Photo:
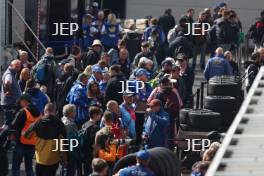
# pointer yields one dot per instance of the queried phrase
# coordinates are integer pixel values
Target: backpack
(43, 71)
(85, 139)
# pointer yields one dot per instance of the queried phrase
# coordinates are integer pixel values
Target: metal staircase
(241, 153)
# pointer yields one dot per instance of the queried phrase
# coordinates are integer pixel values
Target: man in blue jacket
(78, 97)
(155, 131)
(217, 65)
(141, 168)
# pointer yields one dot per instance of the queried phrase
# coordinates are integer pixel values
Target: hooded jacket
(47, 130)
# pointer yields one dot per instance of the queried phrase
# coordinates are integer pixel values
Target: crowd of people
(114, 104)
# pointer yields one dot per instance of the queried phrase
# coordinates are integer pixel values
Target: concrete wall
(247, 10)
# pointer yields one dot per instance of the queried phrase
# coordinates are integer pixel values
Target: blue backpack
(43, 71)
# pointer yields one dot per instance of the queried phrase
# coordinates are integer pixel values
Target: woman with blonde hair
(110, 32)
(23, 77)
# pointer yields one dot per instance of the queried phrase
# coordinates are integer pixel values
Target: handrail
(22, 19)
(21, 39)
(231, 131)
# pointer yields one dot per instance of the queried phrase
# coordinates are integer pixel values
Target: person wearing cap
(78, 96)
(144, 63)
(166, 66)
(188, 76)
(155, 132)
(93, 55)
(172, 103)
(97, 75)
(141, 168)
(147, 53)
(88, 30)
(25, 148)
(124, 62)
(142, 92)
(128, 113)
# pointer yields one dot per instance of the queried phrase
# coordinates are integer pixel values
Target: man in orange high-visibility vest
(25, 147)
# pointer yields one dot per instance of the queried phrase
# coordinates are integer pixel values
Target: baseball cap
(128, 94)
(97, 69)
(222, 4)
(141, 72)
(143, 155)
(155, 102)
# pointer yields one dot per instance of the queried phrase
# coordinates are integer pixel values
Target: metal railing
(241, 152)
(10, 4)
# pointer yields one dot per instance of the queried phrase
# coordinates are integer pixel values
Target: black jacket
(50, 127)
(90, 58)
(180, 45)
(188, 78)
(166, 22)
(226, 32)
(62, 88)
(20, 120)
(114, 86)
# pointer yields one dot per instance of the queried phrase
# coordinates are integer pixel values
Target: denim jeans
(202, 50)
(21, 151)
(71, 168)
(9, 113)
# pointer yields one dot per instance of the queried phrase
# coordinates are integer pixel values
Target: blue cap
(142, 71)
(143, 155)
(97, 69)
(222, 4)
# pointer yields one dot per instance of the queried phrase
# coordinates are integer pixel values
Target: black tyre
(228, 118)
(185, 127)
(184, 117)
(205, 119)
(220, 103)
(169, 161)
(128, 160)
(224, 89)
(162, 162)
